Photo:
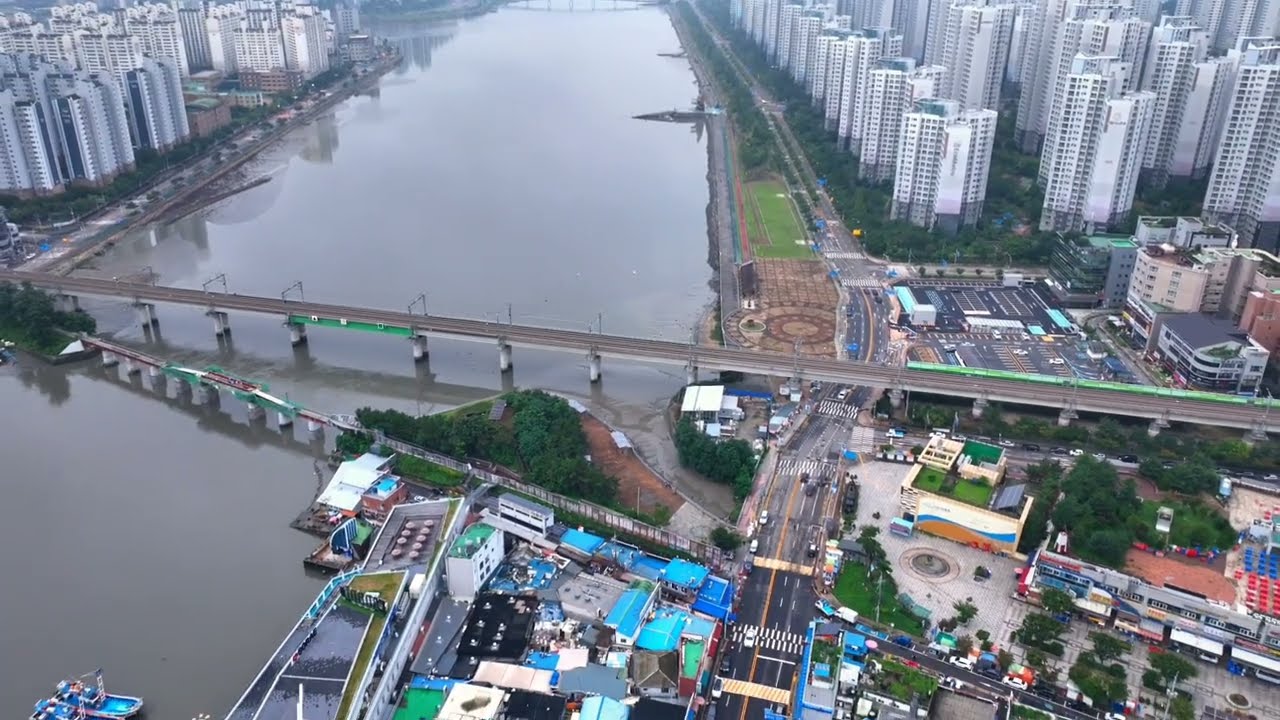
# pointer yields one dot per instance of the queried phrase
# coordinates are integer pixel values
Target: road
(1207, 410)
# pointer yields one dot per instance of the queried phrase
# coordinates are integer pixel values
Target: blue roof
(384, 487)
(625, 617)
(583, 542)
(542, 661)
(906, 298)
(699, 627)
(662, 634)
(624, 555)
(1059, 319)
(855, 644)
(596, 707)
(685, 574)
(648, 567)
(715, 598)
(424, 683)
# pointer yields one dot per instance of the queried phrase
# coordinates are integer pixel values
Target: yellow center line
(768, 597)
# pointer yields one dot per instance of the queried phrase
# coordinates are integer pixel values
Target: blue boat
(78, 700)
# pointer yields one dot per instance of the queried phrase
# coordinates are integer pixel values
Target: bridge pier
(690, 374)
(895, 398)
(297, 334)
(504, 356)
(147, 314)
(1066, 416)
(979, 406)
(419, 345)
(1258, 434)
(315, 426)
(284, 421)
(66, 303)
(221, 323)
(593, 366)
(131, 367)
(203, 395)
(110, 359)
(255, 412)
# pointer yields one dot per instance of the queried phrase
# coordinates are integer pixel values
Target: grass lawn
(385, 584)
(773, 223)
(20, 338)
(935, 481)
(975, 493)
(427, 472)
(855, 591)
(1194, 524)
(930, 480)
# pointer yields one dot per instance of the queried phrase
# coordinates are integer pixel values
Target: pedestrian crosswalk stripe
(838, 409)
(767, 693)
(860, 282)
(776, 564)
(795, 467)
(781, 641)
(845, 255)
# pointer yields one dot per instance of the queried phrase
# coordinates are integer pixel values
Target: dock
(679, 116)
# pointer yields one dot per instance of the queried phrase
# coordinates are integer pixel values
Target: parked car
(1131, 459)
(1031, 447)
(1058, 451)
(726, 666)
(961, 661)
(717, 689)
(1100, 457)
(1006, 443)
(1015, 682)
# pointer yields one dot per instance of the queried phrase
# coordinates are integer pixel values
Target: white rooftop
(472, 702)
(702, 399)
(352, 480)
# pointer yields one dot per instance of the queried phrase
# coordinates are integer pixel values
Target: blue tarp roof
(662, 634)
(648, 567)
(542, 661)
(581, 541)
(603, 708)
(1059, 319)
(855, 644)
(424, 683)
(685, 574)
(715, 598)
(625, 617)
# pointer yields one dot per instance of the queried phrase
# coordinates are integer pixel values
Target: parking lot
(1048, 355)
(963, 308)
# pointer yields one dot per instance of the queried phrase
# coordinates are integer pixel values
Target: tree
(939, 272)
(725, 539)
(964, 644)
(965, 611)
(1038, 630)
(1102, 685)
(1108, 647)
(1056, 602)
(978, 271)
(1181, 708)
(1172, 667)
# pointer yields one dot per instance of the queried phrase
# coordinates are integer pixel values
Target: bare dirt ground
(632, 474)
(797, 304)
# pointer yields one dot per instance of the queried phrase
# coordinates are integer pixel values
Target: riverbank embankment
(73, 259)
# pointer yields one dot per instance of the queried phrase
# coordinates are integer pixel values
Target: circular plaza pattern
(929, 564)
(780, 328)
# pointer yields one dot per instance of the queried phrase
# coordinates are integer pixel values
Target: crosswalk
(767, 693)
(860, 282)
(773, 639)
(834, 408)
(844, 255)
(769, 563)
(815, 468)
(862, 439)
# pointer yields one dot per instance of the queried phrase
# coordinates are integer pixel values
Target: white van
(755, 545)
(764, 518)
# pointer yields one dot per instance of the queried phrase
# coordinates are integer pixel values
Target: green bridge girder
(345, 324)
(244, 390)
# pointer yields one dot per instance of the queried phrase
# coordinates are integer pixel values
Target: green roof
(204, 103)
(363, 531)
(420, 704)
(982, 452)
(691, 658)
(471, 540)
(1111, 240)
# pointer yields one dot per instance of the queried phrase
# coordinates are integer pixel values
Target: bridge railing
(609, 518)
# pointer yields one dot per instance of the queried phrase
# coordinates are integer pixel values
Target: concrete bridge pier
(203, 395)
(157, 378)
(419, 345)
(504, 355)
(593, 366)
(110, 359)
(315, 426)
(297, 334)
(255, 412)
(1257, 435)
(690, 374)
(284, 421)
(131, 367)
(895, 398)
(146, 314)
(1066, 416)
(66, 303)
(979, 406)
(221, 323)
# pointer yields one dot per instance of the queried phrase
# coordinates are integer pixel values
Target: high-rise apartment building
(1227, 21)
(346, 19)
(161, 33)
(943, 163)
(1191, 93)
(975, 40)
(221, 24)
(863, 50)
(804, 45)
(195, 37)
(156, 110)
(306, 46)
(1093, 151)
(1062, 29)
(825, 62)
(896, 84)
(788, 17)
(1245, 184)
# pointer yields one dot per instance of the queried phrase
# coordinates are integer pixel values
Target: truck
(416, 585)
(847, 615)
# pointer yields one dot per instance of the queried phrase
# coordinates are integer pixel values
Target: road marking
(755, 690)
(777, 660)
(784, 565)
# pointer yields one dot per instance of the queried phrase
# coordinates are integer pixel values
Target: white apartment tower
(1062, 29)
(818, 78)
(1190, 101)
(306, 47)
(943, 163)
(788, 17)
(26, 155)
(862, 51)
(804, 44)
(769, 28)
(837, 54)
(1094, 148)
(911, 19)
(975, 49)
(1227, 21)
(160, 31)
(107, 51)
(156, 110)
(195, 37)
(896, 84)
(1244, 188)
(221, 24)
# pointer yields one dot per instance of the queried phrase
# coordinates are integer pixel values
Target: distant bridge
(579, 6)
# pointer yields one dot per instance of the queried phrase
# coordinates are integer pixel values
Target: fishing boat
(85, 700)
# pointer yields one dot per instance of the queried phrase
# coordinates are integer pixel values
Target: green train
(1197, 395)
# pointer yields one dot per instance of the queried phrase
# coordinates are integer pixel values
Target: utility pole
(509, 315)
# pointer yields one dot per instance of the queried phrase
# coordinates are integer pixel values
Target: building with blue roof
(662, 633)
(603, 708)
(583, 542)
(684, 577)
(631, 610)
(715, 599)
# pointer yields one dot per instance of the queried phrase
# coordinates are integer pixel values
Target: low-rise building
(378, 501)
(1210, 353)
(473, 559)
(1187, 232)
(1089, 271)
(954, 491)
(207, 115)
(1261, 319)
(273, 81)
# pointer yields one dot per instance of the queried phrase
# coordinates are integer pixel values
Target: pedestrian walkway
(838, 409)
(767, 693)
(862, 439)
(812, 467)
(770, 639)
(776, 564)
(846, 256)
(860, 282)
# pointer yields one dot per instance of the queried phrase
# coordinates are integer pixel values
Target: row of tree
(31, 313)
(728, 462)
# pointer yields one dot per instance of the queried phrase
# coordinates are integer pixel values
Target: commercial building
(1261, 319)
(943, 163)
(1245, 181)
(473, 559)
(1060, 30)
(896, 84)
(975, 40)
(1189, 233)
(206, 116)
(1093, 150)
(1210, 353)
(1088, 271)
(863, 49)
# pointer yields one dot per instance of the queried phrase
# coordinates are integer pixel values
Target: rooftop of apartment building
(471, 540)
(1173, 255)
(1268, 264)
(1199, 330)
(1108, 240)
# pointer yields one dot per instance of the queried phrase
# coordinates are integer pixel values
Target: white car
(842, 395)
(1076, 452)
(749, 637)
(1100, 457)
(717, 689)
(961, 661)
(764, 518)
(1057, 361)
(1007, 443)
(1014, 682)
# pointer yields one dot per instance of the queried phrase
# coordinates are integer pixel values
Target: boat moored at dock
(73, 699)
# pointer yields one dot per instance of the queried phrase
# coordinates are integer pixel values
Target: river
(497, 171)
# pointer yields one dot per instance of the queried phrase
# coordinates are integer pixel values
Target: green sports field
(773, 222)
